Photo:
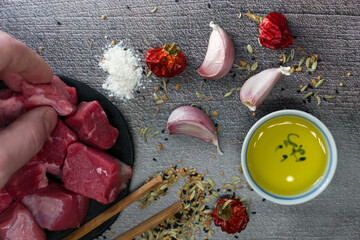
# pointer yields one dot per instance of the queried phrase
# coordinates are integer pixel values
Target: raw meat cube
(73, 94)
(11, 106)
(53, 153)
(92, 125)
(27, 180)
(94, 174)
(5, 200)
(53, 94)
(56, 208)
(17, 223)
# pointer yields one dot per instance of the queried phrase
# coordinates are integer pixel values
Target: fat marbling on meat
(92, 125)
(52, 94)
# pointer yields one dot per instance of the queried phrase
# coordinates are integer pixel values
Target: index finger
(16, 57)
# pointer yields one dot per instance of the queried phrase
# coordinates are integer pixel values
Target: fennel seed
(154, 134)
(228, 94)
(164, 84)
(156, 112)
(212, 183)
(159, 101)
(250, 49)
(292, 53)
(307, 63)
(243, 199)
(314, 65)
(318, 100)
(319, 83)
(254, 66)
(144, 138)
(199, 95)
(239, 67)
(307, 95)
(236, 177)
(301, 61)
(304, 88)
(330, 96)
(156, 96)
(248, 68)
(154, 9)
(283, 58)
(287, 59)
(146, 130)
(148, 74)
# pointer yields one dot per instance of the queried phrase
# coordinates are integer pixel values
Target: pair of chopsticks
(121, 205)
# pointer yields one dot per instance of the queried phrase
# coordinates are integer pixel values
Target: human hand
(21, 140)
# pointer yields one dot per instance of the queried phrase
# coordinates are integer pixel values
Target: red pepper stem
(254, 17)
(173, 46)
(172, 49)
(225, 213)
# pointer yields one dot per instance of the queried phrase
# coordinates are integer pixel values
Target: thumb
(21, 140)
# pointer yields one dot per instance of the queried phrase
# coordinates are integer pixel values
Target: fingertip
(16, 57)
(13, 80)
(50, 119)
(22, 139)
(42, 74)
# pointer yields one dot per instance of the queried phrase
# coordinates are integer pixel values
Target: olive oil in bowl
(287, 156)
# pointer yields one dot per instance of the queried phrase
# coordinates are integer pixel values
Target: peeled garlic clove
(220, 54)
(191, 121)
(258, 87)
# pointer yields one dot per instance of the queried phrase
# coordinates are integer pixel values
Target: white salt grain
(124, 74)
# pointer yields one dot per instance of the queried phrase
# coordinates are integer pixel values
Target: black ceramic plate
(122, 149)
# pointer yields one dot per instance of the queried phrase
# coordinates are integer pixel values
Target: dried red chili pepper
(232, 218)
(274, 31)
(166, 61)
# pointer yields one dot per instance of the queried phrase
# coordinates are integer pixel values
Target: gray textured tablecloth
(330, 28)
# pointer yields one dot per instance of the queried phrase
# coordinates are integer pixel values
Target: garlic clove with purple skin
(191, 121)
(220, 54)
(258, 87)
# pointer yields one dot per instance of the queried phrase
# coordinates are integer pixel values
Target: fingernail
(50, 119)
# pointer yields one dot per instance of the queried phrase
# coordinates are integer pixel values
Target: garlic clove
(258, 87)
(220, 54)
(191, 121)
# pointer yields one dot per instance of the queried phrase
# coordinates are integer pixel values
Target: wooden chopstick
(151, 222)
(118, 207)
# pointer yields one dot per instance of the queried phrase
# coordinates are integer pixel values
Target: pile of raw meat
(30, 201)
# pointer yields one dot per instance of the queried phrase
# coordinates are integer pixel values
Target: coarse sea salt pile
(124, 71)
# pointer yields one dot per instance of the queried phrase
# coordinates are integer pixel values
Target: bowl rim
(330, 169)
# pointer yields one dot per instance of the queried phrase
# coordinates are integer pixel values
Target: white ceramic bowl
(316, 190)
